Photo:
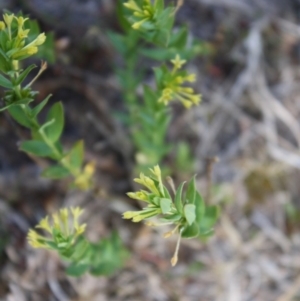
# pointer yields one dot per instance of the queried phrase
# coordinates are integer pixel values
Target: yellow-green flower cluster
(156, 189)
(84, 180)
(62, 229)
(17, 46)
(142, 13)
(172, 86)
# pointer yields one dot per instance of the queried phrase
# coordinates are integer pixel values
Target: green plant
(64, 234)
(186, 211)
(19, 40)
(148, 33)
(145, 23)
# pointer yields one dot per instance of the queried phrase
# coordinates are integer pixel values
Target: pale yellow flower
(84, 180)
(63, 225)
(8, 19)
(173, 86)
(2, 25)
(178, 62)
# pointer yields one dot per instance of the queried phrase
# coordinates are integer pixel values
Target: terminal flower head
(141, 12)
(84, 180)
(171, 84)
(61, 229)
(8, 18)
(16, 45)
(147, 182)
(178, 62)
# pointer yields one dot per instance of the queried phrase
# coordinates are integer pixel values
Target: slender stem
(178, 5)
(36, 126)
(171, 183)
(59, 156)
(42, 69)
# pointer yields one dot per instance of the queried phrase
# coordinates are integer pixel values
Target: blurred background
(249, 119)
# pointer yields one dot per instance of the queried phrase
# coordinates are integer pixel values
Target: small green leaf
(191, 191)
(4, 55)
(55, 172)
(23, 75)
(172, 217)
(121, 15)
(105, 268)
(209, 219)
(77, 270)
(200, 207)
(37, 148)
(82, 248)
(36, 110)
(23, 101)
(189, 213)
(203, 235)
(179, 39)
(118, 42)
(166, 192)
(51, 244)
(190, 231)
(178, 198)
(159, 75)
(75, 156)
(4, 82)
(54, 130)
(19, 115)
(159, 5)
(165, 205)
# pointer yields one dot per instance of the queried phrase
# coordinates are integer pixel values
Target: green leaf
(159, 54)
(121, 15)
(4, 55)
(150, 97)
(162, 37)
(209, 219)
(37, 148)
(172, 217)
(76, 155)
(189, 213)
(19, 115)
(166, 192)
(4, 82)
(159, 5)
(23, 75)
(118, 42)
(203, 235)
(24, 101)
(105, 268)
(166, 19)
(36, 110)
(165, 205)
(191, 191)
(4, 65)
(200, 207)
(77, 270)
(159, 75)
(55, 172)
(178, 198)
(179, 39)
(82, 248)
(190, 231)
(54, 130)
(51, 244)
